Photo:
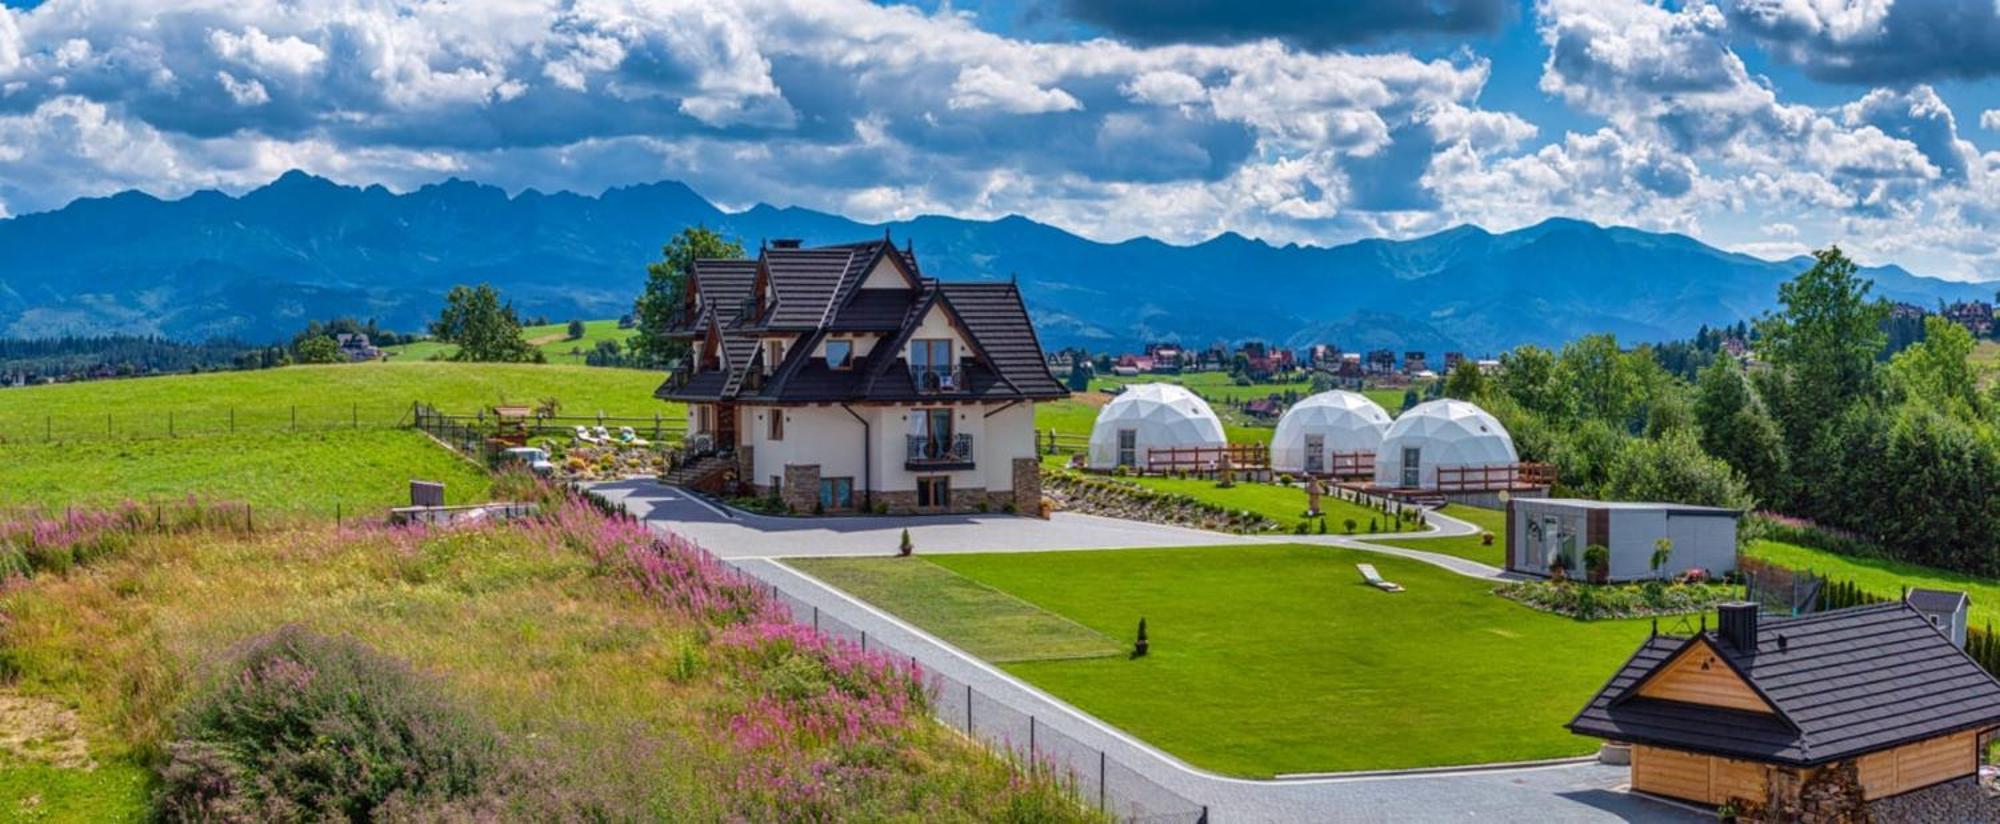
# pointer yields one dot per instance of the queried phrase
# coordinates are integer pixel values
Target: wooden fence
(1060, 443)
(658, 428)
(1350, 465)
(1495, 478)
(1241, 456)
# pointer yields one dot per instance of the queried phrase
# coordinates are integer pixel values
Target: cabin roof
(1842, 684)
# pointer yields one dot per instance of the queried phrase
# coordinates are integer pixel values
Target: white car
(536, 460)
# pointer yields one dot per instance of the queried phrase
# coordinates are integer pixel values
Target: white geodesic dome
(1343, 421)
(1443, 433)
(1159, 415)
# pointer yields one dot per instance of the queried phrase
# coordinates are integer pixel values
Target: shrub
(1349, 523)
(293, 725)
(1485, 539)
(1597, 561)
(906, 546)
(1372, 525)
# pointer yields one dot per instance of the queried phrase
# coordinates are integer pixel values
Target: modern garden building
(1333, 433)
(1760, 707)
(840, 378)
(1148, 417)
(1541, 531)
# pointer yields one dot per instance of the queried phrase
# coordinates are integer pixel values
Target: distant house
(1381, 362)
(1166, 357)
(1975, 315)
(1760, 705)
(1488, 366)
(1452, 360)
(355, 346)
(1906, 311)
(1264, 408)
(1350, 366)
(1945, 609)
(1414, 362)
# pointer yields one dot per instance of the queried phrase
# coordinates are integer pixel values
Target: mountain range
(258, 266)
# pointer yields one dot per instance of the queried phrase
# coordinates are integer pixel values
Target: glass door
(1128, 447)
(1316, 454)
(1413, 474)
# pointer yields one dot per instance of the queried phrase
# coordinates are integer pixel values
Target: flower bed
(1590, 602)
(1097, 495)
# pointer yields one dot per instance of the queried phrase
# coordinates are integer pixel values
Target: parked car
(536, 460)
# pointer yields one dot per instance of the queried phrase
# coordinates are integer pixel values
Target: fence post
(968, 710)
(1100, 780)
(815, 618)
(1031, 739)
(864, 640)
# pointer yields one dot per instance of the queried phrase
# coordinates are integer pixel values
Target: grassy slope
(114, 792)
(625, 700)
(1469, 546)
(326, 396)
(321, 473)
(1883, 577)
(1277, 659)
(552, 339)
(980, 619)
(1284, 504)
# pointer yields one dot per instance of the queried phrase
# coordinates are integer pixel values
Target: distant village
(1258, 362)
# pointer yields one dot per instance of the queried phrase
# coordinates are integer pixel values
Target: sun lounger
(603, 434)
(583, 436)
(629, 437)
(1374, 578)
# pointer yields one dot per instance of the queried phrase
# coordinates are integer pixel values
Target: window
(773, 351)
(836, 493)
(933, 493)
(1128, 447)
(926, 353)
(839, 354)
(777, 424)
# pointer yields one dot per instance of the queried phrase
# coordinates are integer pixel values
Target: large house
(839, 378)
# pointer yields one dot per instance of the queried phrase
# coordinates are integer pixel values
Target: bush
(1591, 602)
(298, 726)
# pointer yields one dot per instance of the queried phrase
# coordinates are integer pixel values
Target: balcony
(938, 379)
(927, 452)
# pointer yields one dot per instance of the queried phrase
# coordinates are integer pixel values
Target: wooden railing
(1349, 465)
(1496, 477)
(1207, 458)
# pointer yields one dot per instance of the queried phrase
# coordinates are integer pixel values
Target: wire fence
(1099, 780)
(194, 421)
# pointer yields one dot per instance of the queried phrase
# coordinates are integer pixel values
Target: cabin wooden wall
(1685, 680)
(1918, 765)
(1710, 779)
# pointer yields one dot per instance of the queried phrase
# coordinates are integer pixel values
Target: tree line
(1843, 417)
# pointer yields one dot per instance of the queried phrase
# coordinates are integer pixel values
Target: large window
(933, 428)
(928, 353)
(839, 354)
(933, 492)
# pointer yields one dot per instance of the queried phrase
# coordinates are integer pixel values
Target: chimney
(1737, 624)
(786, 243)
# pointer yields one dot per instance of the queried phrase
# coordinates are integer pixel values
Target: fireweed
(34, 541)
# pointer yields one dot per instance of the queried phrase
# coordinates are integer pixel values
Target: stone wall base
(801, 492)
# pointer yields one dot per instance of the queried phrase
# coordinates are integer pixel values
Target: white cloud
(983, 87)
(244, 92)
(255, 49)
(1165, 88)
(1990, 120)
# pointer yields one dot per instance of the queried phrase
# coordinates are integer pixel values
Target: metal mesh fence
(1100, 781)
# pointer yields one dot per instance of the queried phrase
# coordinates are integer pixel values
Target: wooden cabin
(1753, 709)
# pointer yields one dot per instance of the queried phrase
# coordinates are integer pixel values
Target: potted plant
(1597, 562)
(1485, 539)
(1140, 646)
(907, 546)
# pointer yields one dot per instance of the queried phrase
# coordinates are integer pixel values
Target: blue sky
(1767, 126)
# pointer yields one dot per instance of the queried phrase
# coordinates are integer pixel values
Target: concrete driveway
(734, 534)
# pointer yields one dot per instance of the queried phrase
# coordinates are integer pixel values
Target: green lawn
(1883, 577)
(1283, 504)
(1277, 659)
(114, 792)
(553, 339)
(307, 472)
(980, 619)
(1469, 547)
(374, 394)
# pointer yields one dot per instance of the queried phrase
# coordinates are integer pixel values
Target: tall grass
(631, 676)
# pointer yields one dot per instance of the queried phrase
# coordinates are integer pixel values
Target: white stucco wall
(823, 436)
(830, 438)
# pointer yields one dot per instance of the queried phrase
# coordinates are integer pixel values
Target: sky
(1767, 126)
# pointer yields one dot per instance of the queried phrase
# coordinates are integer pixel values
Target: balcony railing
(927, 452)
(938, 378)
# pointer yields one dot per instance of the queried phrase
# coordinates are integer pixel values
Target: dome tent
(1326, 423)
(1157, 415)
(1440, 433)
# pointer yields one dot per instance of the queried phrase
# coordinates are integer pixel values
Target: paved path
(755, 544)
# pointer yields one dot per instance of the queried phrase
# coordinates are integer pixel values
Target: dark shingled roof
(818, 291)
(1936, 600)
(1843, 683)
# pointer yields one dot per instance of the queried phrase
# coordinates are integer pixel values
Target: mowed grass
(980, 619)
(553, 339)
(1277, 659)
(1882, 576)
(113, 792)
(320, 473)
(336, 396)
(1469, 547)
(1284, 504)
